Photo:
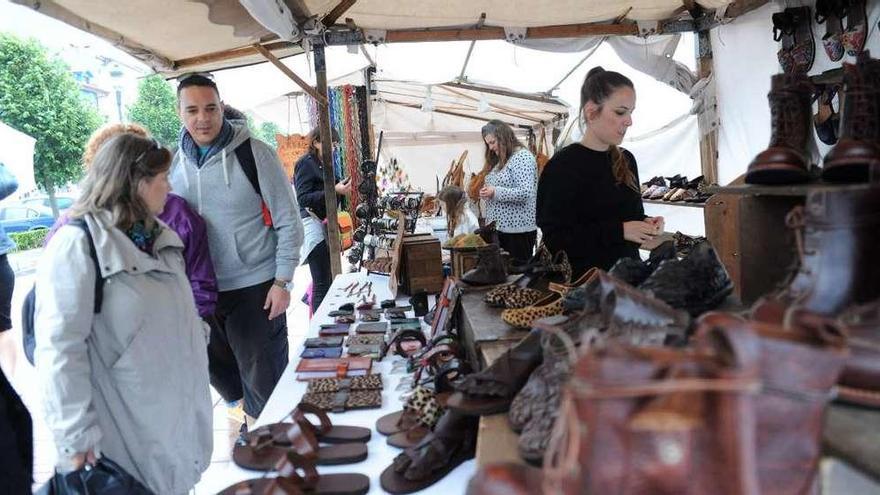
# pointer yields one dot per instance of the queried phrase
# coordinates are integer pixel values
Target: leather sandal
(408, 417)
(325, 431)
(452, 442)
(290, 482)
(259, 451)
(491, 390)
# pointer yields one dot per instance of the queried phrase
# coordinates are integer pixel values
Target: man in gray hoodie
(254, 233)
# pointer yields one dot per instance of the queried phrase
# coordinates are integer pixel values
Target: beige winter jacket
(132, 381)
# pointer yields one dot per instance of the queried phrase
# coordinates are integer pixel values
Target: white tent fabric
(653, 55)
(744, 61)
(17, 153)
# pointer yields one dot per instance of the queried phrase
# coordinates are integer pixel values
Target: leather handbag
(105, 477)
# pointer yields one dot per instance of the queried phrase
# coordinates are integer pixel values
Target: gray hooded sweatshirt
(245, 251)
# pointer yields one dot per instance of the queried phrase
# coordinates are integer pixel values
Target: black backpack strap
(99, 280)
(245, 155)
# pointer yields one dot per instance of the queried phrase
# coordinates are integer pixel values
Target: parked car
(19, 218)
(64, 202)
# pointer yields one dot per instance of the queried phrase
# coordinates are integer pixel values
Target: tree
(156, 110)
(267, 132)
(39, 97)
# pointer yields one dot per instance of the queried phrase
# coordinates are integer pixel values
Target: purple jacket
(192, 231)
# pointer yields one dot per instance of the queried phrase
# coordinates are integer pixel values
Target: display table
(288, 392)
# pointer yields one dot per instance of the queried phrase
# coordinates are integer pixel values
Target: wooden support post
(317, 95)
(708, 137)
(327, 158)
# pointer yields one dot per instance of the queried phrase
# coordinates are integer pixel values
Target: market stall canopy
(171, 36)
(178, 36)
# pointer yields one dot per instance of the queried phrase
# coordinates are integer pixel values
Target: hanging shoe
(853, 38)
(830, 13)
(786, 160)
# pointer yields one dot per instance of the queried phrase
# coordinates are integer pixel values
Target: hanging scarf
(142, 237)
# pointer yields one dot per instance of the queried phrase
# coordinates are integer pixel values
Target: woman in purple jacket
(179, 216)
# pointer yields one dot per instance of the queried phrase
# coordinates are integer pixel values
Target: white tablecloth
(289, 391)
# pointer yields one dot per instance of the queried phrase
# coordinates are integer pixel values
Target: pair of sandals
(837, 39)
(293, 449)
(420, 413)
(793, 27)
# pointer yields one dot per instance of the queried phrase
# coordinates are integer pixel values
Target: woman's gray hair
(112, 181)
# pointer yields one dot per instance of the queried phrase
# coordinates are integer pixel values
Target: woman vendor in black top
(588, 195)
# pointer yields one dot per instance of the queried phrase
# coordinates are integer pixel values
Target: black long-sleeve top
(308, 181)
(581, 208)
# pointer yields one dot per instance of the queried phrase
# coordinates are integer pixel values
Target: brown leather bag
(661, 421)
(800, 364)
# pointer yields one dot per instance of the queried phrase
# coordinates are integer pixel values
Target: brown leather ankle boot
(858, 148)
(786, 160)
(837, 234)
(490, 268)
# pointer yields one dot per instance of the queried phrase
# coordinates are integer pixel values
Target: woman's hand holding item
(80, 459)
(639, 231)
(658, 222)
(344, 187)
(487, 192)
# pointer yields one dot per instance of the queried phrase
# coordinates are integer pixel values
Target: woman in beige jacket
(129, 382)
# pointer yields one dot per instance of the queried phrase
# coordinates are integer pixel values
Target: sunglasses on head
(155, 146)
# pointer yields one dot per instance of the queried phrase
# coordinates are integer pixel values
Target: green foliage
(156, 110)
(39, 97)
(30, 239)
(266, 133)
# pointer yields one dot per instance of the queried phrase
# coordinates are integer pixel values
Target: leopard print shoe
(550, 305)
(511, 296)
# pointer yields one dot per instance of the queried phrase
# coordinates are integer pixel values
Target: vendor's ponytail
(620, 169)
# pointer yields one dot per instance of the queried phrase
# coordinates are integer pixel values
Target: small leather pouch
(321, 352)
(339, 395)
(323, 342)
(380, 327)
(365, 350)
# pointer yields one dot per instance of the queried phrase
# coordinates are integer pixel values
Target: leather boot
(837, 234)
(490, 268)
(858, 148)
(786, 160)
(799, 366)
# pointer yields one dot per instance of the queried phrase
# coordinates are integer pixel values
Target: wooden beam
(220, 56)
(709, 137)
(51, 9)
(334, 15)
(292, 75)
(327, 157)
(501, 92)
(446, 112)
(503, 110)
(497, 33)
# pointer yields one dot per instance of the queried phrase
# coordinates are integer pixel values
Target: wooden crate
(749, 235)
(421, 268)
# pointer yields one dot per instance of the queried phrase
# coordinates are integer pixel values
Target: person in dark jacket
(16, 442)
(308, 179)
(8, 347)
(588, 195)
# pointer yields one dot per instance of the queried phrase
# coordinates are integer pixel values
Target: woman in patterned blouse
(510, 190)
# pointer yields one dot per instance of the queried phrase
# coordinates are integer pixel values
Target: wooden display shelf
(673, 203)
(797, 190)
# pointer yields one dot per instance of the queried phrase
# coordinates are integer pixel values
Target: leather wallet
(366, 350)
(321, 352)
(308, 369)
(340, 312)
(372, 327)
(323, 342)
(333, 330)
(338, 395)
